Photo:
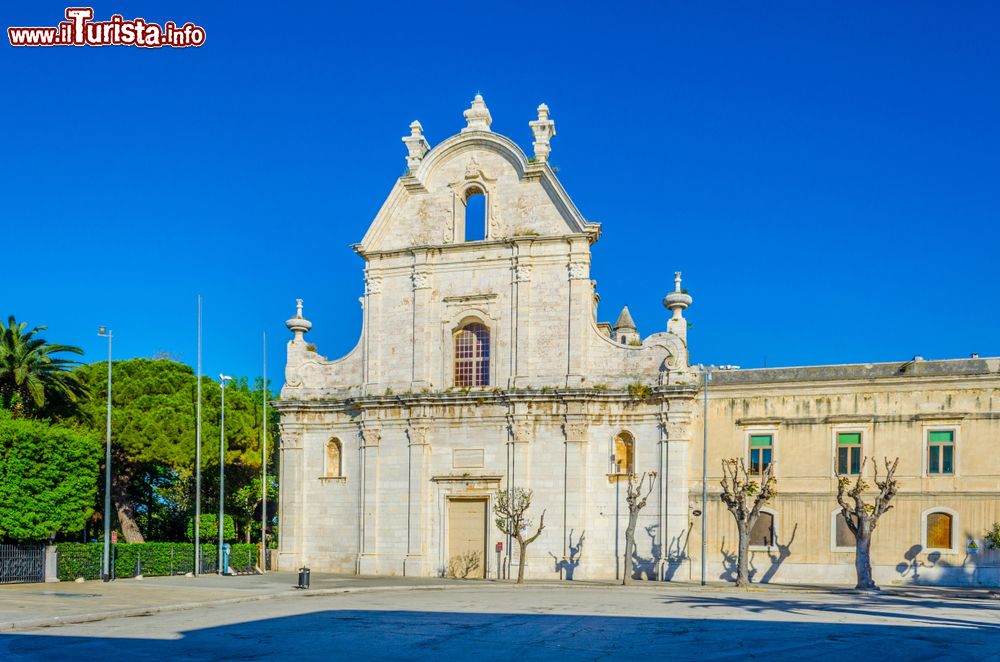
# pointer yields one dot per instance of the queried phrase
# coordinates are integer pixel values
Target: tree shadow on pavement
(915, 611)
(454, 635)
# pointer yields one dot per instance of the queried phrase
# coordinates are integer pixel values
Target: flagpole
(197, 460)
(263, 480)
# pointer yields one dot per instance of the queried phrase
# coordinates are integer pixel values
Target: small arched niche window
(624, 457)
(939, 530)
(475, 214)
(762, 533)
(333, 459)
(472, 355)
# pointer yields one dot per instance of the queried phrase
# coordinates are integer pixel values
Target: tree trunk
(633, 518)
(520, 562)
(124, 507)
(743, 558)
(863, 557)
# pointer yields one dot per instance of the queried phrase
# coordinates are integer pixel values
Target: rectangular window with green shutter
(940, 452)
(848, 453)
(761, 453)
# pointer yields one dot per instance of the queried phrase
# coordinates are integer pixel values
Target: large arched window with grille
(472, 355)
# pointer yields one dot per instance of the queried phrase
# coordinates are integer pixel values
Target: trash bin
(303, 578)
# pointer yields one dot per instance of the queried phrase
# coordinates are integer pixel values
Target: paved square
(501, 622)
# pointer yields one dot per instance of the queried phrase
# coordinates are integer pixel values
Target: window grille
(472, 356)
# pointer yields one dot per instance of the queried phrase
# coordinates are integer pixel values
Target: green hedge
(153, 559)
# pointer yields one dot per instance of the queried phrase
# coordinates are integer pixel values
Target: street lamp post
(105, 332)
(222, 469)
(263, 479)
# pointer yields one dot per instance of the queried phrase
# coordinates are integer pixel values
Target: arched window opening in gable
(762, 533)
(472, 355)
(624, 457)
(333, 459)
(939, 531)
(475, 215)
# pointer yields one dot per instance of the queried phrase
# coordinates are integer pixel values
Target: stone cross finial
(298, 324)
(477, 117)
(676, 302)
(543, 129)
(416, 145)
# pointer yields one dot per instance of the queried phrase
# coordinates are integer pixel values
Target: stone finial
(298, 325)
(676, 302)
(416, 145)
(477, 117)
(543, 129)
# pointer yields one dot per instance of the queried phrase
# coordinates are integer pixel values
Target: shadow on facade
(565, 567)
(776, 555)
(422, 635)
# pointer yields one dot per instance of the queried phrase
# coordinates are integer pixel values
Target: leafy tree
(744, 497)
(993, 536)
(636, 501)
(153, 431)
(48, 478)
(247, 502)
(208, 528)
(511, 507)
(861, 517)
(32, 378)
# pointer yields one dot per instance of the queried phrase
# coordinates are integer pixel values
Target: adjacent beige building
(482, 365)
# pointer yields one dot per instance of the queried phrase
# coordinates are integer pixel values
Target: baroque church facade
(482, 366)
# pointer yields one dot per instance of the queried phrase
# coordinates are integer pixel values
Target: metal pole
(106, 570)
(197, 460)
(263, 479)
(222, 471)
(704, 468)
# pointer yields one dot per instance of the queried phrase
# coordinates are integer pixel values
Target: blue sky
(824, 173)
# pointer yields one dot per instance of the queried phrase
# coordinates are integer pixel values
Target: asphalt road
(541, 622)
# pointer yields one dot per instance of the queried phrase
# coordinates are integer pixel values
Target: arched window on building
(762, 533)
(333, 459)
(939, 530)
(475, 215)
(624, 456)
(472, 355)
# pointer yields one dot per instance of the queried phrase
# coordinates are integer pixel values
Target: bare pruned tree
(744, 497)
(511, 507)
(635, 499)
(861, 517)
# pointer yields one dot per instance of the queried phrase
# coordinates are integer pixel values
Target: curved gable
(426, 207)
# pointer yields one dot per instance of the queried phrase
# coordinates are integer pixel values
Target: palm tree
(31, 377)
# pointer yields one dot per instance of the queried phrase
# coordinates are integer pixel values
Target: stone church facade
(482, 366)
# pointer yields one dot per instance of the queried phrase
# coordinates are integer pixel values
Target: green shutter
(760, 440)
(848, 438)
(942, 436)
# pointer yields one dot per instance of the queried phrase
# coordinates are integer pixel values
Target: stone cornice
(463, 246)
(497, 397)
(866, 418)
